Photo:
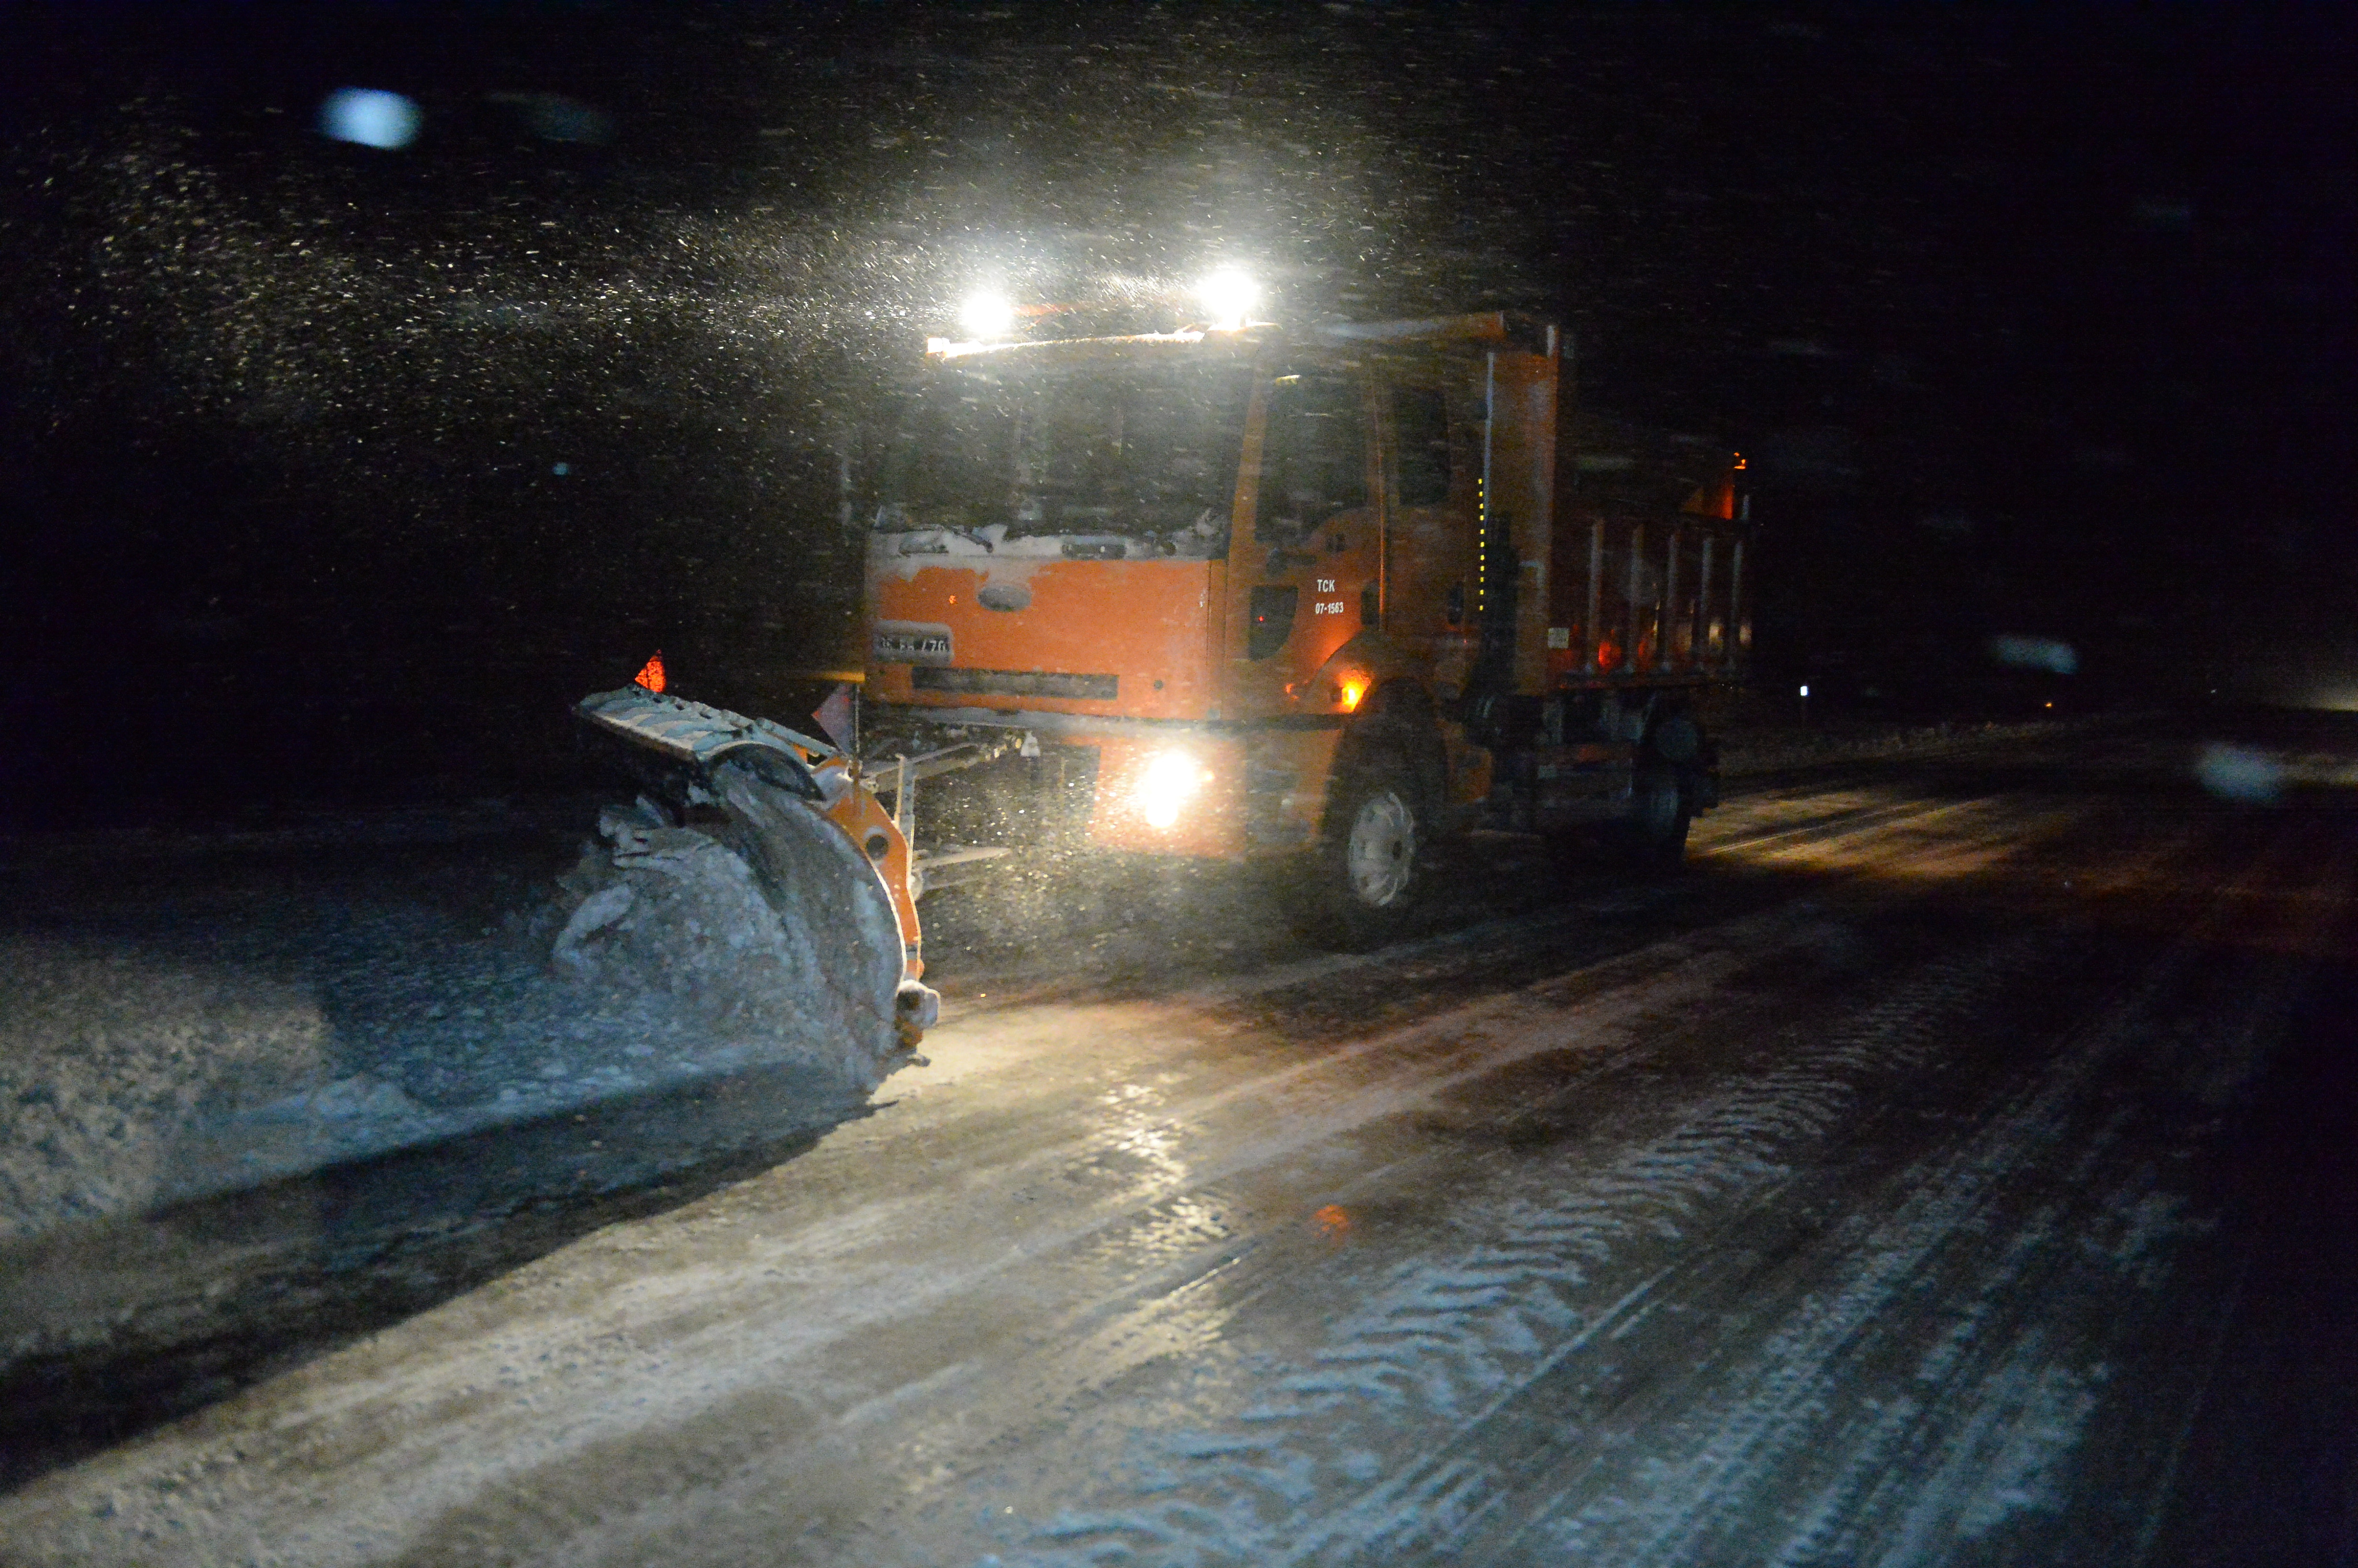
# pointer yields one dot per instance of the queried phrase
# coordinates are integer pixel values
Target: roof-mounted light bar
(988, 318)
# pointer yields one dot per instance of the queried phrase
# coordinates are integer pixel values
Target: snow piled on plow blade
(770, 924)
(147, 1064)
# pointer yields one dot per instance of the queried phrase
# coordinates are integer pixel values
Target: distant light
(2239, 773)
(1229, 295)
(369, 117)
(560, 469)
(1805, 691)
(2050, 653)
(987, 315)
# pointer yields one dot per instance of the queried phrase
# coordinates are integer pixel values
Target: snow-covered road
(1879, 1192)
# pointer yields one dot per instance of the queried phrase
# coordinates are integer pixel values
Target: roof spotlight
(1228, 295)
(987, 315)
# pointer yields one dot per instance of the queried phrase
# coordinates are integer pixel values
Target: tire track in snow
(1440, 1336)
(1446, 1346)
(1984, 1418)
(1282, 1115)
(1598, 1014)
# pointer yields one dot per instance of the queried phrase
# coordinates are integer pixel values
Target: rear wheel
(1656, 830)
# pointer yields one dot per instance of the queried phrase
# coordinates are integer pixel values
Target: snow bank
(107, 1054)
(1749, 746)
(170, 1049)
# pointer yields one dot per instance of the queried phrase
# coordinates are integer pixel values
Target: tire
(1369, 876)
(1655, 833)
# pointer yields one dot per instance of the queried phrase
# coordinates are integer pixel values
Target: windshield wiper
(896, 516)
(966, 534)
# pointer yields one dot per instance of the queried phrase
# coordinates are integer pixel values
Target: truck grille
(1017, 683)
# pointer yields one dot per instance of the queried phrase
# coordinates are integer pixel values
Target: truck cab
(1253, 585)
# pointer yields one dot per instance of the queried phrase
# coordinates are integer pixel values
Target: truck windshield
(1146, 454)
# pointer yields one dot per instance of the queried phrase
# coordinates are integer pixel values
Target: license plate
(909, 643)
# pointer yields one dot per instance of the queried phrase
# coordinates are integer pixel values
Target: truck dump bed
(1647, 559)
(1603, 554)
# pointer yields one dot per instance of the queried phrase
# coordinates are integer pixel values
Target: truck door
(1426, 603)
(1308, 579)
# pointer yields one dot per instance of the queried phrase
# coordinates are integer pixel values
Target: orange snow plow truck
(1329, 595)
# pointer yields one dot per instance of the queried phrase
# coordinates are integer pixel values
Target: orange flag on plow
(836, 717)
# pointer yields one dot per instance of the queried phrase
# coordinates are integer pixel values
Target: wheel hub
(1381, 852)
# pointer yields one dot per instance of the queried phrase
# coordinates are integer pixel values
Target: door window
(1314, 459)
(1421, 426)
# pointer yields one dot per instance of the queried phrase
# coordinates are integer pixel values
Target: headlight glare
(1229, 296)
(987, 315)
(1169, 783)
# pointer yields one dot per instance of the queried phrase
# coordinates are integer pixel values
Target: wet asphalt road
(1953, 1166)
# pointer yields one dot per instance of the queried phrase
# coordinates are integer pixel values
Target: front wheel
(1370, 870)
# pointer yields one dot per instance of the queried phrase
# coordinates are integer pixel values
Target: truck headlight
(1169, 783)
(987, 315)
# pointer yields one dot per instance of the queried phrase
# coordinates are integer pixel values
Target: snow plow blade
(754, 877)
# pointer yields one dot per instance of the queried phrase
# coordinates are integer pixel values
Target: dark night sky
(2033, 318)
